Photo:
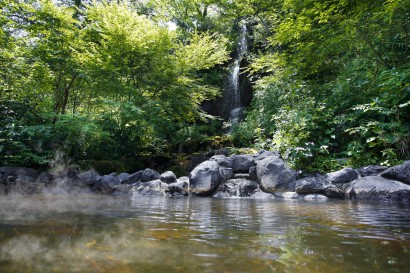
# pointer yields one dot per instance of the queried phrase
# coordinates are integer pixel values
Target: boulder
(252, 173)
(236, 188)
(371, 170)
(262, 154)
(273, 175)
(151, 188)
(332, 191)
(168, 177)
(107, 184)
(379, 189)
(180, 188)
(241, 163)
(123, 177)
(342, 176)
(222, 161)
(134, 178)
(226, 173)
(260, 195)
(400, 173)
(149, 175)
(89, 178)
(205, 178)
(314, 184)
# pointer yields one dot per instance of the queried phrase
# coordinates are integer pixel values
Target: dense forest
(114, 81)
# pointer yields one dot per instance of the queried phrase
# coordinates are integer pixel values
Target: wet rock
(226, 173)
(205, 178)
(236, 188)
(151, 188)
(342, 176)
(262, 154)
(241, 163)
(123, 177)
(315, 197)
(134, 178)
(273, 175)
(371, 170)
(314, 184)
(252, 173)
(400, 173)
(168, 177)
(290, 195)
(180, 188)
(222, 161)
(89, 178)
(333, 191)
(149, 175)
(379, 189)
(260, 195)
(106, 184)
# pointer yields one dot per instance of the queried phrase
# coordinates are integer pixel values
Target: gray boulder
(273, 175)
(89, 178)
(241, 163)
(226, 173)
(205, 178)
(260, 195)
(107, 184)
(252, 173)
(342, 176)
(400, 173)
(314, 184)
(262, 154)
(379, 189)
(222, 161)
(180, 188)
(123, 177)
(151, 188)
(149, 175)
(371, 170)
(332, 191)
(133, 178)
(168, 177)
(236, 188)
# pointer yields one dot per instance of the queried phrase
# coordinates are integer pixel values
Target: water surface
(89, 233)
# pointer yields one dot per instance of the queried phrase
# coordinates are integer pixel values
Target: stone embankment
(263, 175)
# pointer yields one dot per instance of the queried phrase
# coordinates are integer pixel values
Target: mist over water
(95, 233)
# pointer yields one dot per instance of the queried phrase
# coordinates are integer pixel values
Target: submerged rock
(315, 197)
(379, 189)
(179, 188)
(274, 175)
(205, 178)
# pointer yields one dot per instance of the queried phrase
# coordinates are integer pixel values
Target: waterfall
(234, 92)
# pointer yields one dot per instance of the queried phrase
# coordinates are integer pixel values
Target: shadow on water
(88, 233)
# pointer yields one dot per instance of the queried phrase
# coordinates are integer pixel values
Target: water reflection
(120, 234)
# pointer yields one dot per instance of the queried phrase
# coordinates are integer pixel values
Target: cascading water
(233, 91)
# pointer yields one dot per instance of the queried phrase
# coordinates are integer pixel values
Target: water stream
(90, 233)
